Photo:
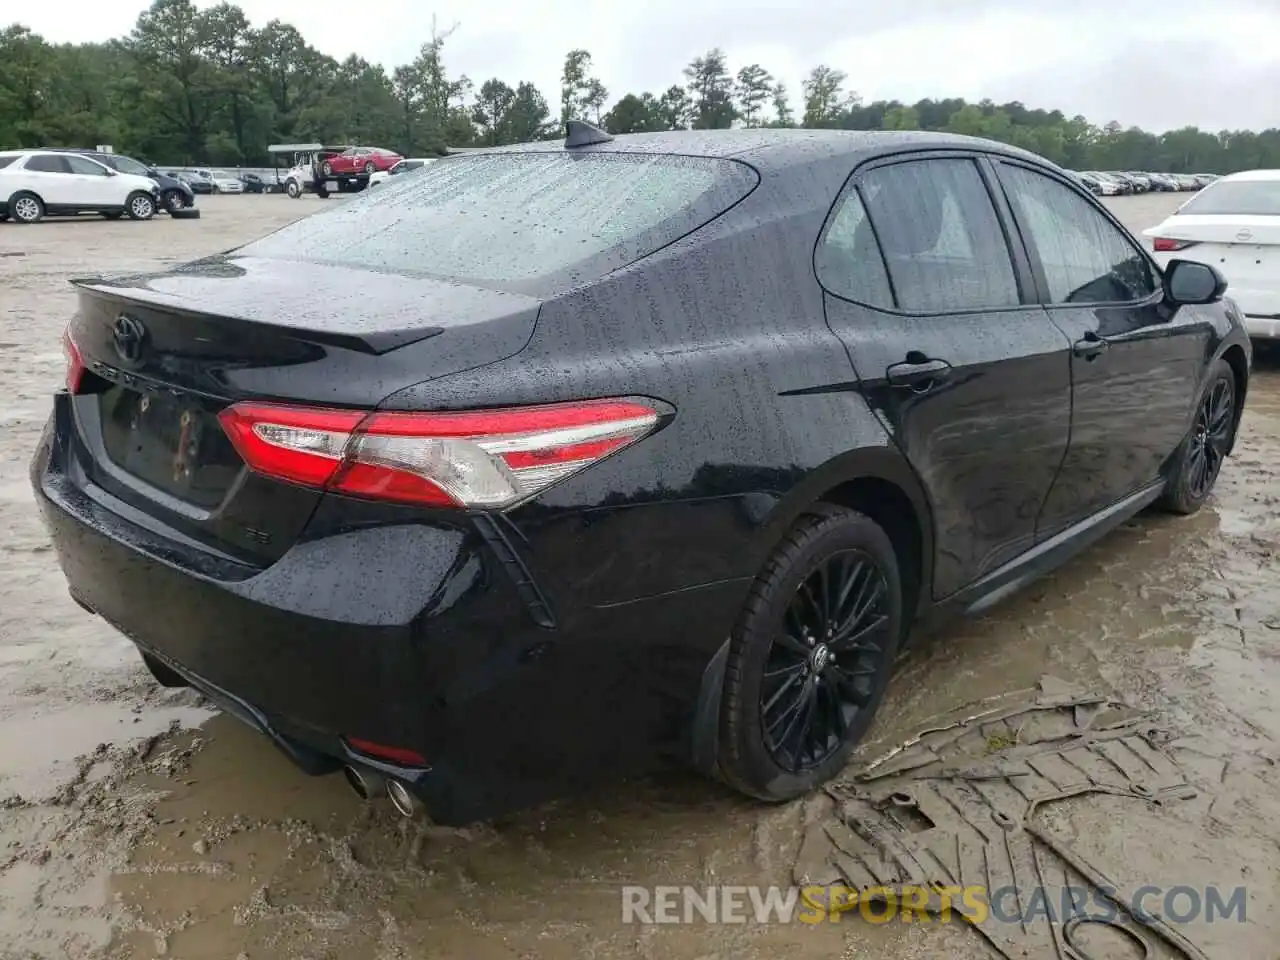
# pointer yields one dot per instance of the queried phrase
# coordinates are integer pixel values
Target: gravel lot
(138, 824)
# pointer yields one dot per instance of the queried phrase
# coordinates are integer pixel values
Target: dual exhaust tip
(369, 785)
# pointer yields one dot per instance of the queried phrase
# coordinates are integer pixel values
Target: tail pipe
(366, 783)
(402, 798)
(369, 785)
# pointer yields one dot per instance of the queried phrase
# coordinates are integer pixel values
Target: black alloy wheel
(1210, 438)
(823, 663)
(1199, 461)
(811, 655)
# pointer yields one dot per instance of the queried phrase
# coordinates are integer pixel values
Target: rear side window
(47, 163)
(849, 262)
(941, 238)
(5, 161)
(1086, 259)
(1236, 198)
(528, 222)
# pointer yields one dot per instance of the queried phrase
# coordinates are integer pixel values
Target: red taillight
(75, 362)
(480, 458)
(380, 751)
(1169, 245)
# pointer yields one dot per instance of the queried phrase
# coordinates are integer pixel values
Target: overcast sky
(1155, 63)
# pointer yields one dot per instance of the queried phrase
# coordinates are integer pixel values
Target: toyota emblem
(129, 337)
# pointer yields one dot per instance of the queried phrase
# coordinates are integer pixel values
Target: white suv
(36, 183)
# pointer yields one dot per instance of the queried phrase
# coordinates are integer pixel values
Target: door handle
(918, 372)
(1089, 346)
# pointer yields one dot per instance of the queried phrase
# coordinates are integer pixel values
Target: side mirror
(1187, 282)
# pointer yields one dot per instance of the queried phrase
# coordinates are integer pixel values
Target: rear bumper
(1262, 328)
(411, 635)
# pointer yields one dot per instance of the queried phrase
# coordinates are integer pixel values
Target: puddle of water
(41, 748)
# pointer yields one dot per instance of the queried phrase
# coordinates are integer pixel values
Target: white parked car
(1107, 186)
(225, 182)
(39, 183)
(403, 166)
(1234, 225)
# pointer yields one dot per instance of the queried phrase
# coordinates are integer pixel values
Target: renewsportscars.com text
(914, 904)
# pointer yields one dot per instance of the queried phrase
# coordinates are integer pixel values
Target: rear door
(49, 175)
(94, 186)
(1135, 362)
(935, 303)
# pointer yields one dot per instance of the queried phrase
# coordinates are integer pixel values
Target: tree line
(188, 85)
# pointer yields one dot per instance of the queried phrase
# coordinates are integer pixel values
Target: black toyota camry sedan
(562, 459)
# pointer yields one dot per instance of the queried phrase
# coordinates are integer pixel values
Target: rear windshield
(527, 222)
(1260, 197)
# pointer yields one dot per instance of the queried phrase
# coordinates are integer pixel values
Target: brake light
(75, 363)
(1169, 245)
(478, 458)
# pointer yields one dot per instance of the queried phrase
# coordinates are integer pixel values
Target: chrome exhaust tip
(365, 783)
(402, 799)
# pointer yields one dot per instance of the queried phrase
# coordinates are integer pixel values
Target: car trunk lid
(166, 353)
(1246, 249)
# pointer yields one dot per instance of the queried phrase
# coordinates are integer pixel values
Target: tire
(26, 207)
(368, 167)
(293, 189)
(3, 217)
(173, 200)
(140, 206)
(326, 168)
(113, 214)
(1200, 456)
(322, 193)
(773, 670)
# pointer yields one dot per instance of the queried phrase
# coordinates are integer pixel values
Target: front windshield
(224, 175)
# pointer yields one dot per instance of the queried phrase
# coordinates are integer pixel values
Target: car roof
(774, 148)
(1252, 175)
(37, 151)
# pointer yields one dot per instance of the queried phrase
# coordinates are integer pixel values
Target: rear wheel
(26, 208)
(368, 167)
(140, 206)
(1200, 457)
(811, 656)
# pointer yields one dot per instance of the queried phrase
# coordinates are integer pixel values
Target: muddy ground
(137, 824)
